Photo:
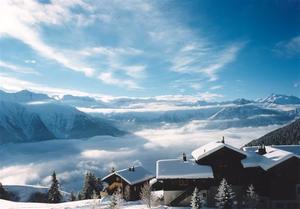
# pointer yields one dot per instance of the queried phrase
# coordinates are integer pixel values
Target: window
(204, 194)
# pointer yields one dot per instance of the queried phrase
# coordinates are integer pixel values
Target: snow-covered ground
(83, 204)
(23, 192)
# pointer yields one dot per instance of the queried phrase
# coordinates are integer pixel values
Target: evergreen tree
(116, 201)
(224, 196)
(54, 196)
(3, 193)
(72, 197)
(89, 186)
(196, 201)
(146, 195)
(251, 198)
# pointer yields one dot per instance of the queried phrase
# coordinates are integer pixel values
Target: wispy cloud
(108, 78)
(216, 87)
(207, 96)
(30, 61)
(288, 48)
(9, 83)
(205, 60)
(17, 69)
(21, 20)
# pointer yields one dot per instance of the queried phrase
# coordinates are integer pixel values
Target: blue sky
(208, 49)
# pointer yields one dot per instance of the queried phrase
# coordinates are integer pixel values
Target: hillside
(49, 120)
(289, 134)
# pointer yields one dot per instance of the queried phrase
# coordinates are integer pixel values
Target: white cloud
(96, 153)
(21, 20)
(30, 61)
(108, 78)
(205, 60)
(12, 84)
(207, 96)
(17, 69)
(288, 48)
(216, 87)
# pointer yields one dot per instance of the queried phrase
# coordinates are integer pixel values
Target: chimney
(262, 150)
(132, 168)
(223, 140)
(183, 156)
(113, 170)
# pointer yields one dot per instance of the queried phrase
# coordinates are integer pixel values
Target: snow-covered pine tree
(116, 201)
(224, 196)
(146, 195)
(196, 201)
(54, 195)
(251, 197)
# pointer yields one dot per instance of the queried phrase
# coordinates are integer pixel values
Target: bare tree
(116, 200)
(146, 195)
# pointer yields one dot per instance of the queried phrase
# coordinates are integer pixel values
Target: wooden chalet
(129, 181)
(273, 170)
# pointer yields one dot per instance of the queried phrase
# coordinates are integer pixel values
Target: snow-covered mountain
(48, 120)
(17, 124)
(32, 116)
(82, 101)
(280, 99)
(24, 96)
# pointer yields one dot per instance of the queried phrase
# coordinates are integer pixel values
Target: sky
(214, 50)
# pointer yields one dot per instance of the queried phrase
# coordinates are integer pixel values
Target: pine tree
(224, 196)
(54, 196)
(3, 193)
(89, 186)
(196, 201)
(116, 200)
(251, 197)
(146, 195)
(72, 196)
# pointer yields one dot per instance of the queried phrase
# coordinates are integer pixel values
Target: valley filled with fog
(148, 129)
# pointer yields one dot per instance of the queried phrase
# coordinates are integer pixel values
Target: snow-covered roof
(212, 147)
(138, 175)
(179, 169)
(274, 156)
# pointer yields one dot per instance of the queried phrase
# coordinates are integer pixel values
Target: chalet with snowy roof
(129, 181)
(273, 170)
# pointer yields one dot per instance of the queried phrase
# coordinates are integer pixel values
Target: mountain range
(27, 116)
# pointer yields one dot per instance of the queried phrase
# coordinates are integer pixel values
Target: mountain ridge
(286, 135)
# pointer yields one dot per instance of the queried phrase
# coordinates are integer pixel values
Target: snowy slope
(48, 120)
(17, 124)
(24, 192)
(280, 99)
(23, 96)
(83, 204)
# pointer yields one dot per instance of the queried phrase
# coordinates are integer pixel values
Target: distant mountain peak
(280, 99)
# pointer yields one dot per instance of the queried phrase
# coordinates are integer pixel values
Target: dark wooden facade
(278, 187)
(131, 192)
